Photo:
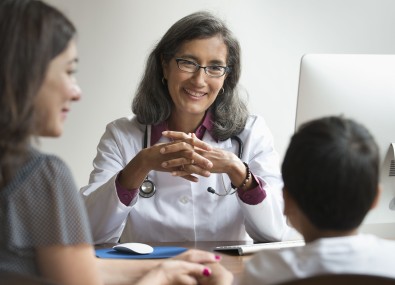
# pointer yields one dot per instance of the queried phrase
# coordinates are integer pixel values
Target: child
(330, 174)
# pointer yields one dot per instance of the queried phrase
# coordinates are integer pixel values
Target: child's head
(331, 172)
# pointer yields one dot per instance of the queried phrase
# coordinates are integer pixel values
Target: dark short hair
(152, 102)
(331, 170)
(32, 33)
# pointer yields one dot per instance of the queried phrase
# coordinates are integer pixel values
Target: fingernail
(164, 164)
(217, 257)
(162, 150)
(206, 272)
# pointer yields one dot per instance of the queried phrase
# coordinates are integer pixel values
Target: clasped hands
(184, 155)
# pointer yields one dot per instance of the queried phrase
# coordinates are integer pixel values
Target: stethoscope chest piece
(147, 189)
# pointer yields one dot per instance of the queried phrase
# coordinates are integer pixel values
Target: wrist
(247, 178)
(134, 173)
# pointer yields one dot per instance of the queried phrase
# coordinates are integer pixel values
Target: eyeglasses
(192, 67)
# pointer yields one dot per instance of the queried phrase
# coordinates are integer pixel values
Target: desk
(233, 262)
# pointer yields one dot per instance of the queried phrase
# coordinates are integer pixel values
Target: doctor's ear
(165, 66)
(163, 61)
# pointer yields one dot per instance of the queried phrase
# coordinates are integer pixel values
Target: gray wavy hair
(152, 102)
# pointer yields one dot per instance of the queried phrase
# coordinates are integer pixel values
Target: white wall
(116, 36)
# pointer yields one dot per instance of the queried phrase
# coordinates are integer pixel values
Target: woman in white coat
(191, 134)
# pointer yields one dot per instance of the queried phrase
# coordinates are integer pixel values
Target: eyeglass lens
(190, 66)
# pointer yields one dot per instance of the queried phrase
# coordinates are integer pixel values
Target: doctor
(191, 164)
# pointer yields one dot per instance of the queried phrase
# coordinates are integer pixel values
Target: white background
(115, 38)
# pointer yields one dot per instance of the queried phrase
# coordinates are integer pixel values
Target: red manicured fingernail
(217, 257)
(206, 272)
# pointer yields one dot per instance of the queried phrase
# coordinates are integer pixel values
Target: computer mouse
(134, 247)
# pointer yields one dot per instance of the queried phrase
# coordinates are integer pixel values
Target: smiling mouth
(194, 94)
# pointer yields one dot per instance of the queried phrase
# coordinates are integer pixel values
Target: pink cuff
(125, 195)
(253, 196)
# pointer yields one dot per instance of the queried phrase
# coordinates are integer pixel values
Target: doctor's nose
(199, 77)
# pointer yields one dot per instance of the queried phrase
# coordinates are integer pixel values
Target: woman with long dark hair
(44, 230)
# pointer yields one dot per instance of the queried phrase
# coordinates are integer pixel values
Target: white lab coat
(182, 210)
(359, 254)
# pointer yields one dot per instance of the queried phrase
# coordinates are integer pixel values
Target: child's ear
(290, 209)
(377, 197)
(288, 202)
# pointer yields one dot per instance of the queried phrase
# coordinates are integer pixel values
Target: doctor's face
(194, 92)
(57, 91)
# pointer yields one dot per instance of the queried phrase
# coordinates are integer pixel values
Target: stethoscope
(148, 189)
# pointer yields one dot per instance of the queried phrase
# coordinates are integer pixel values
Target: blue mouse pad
(159, 252)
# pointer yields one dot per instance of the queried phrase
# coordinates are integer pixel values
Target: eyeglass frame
(226, 69)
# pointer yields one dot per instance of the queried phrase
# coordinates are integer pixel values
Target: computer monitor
(361, 87)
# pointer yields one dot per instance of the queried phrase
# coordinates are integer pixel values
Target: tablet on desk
(243, 249)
